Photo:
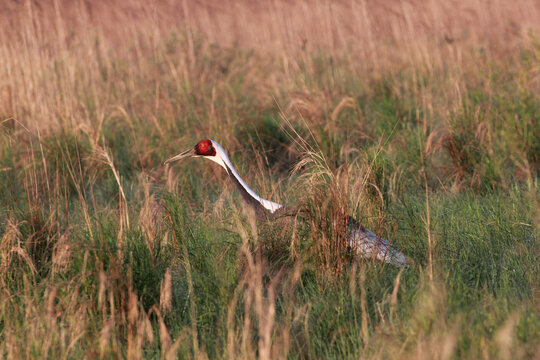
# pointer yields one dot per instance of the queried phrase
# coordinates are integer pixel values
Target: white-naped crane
(366, 243)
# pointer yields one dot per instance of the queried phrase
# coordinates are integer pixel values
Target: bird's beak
(185, 154)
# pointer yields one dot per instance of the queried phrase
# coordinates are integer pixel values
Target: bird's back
(367, 244)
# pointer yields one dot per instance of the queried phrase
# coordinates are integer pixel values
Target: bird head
(206, 148)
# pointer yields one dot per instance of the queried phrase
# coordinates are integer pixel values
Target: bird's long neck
(258, 203)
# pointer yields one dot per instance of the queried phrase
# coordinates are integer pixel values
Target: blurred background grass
(420, 119)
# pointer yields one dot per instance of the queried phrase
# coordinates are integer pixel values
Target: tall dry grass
(62, 59)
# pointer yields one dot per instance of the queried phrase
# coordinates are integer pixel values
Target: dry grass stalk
(10, 245)
(62, 253)
(505, 337)
(103, 154)
(428, 228)
(151, 219)
(164, 336)
(394, 297)
(192, 305)
(365, 324)
(165, 297)
(259, 312)
(139, 328)
(331, 196)
(104, 337)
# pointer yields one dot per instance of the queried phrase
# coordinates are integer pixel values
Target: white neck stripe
(222, 159)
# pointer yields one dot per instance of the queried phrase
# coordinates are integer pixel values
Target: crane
(366, 243)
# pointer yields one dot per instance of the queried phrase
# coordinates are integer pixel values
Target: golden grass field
(421, 119)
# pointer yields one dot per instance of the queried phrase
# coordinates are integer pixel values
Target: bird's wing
(367, 244)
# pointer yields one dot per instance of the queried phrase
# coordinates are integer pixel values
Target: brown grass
(55, 52)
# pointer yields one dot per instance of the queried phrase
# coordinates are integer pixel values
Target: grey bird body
(367, 244)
